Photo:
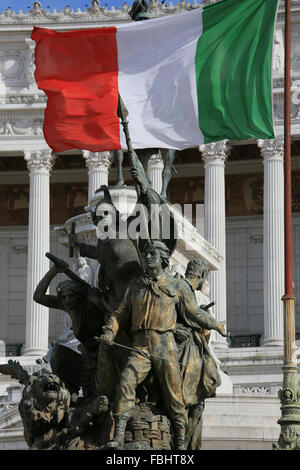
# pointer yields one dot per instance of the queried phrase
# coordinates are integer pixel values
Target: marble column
(98, 164)
(214, 156)
(273, 241)
(155, 168)
(39, 164)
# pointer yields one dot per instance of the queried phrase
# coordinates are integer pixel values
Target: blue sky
(17, 5)
(23, 5)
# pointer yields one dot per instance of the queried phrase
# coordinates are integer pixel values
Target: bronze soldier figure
(83, 304)
(150, 307)
(200, 376)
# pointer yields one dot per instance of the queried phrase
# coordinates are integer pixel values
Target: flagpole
(289, 394)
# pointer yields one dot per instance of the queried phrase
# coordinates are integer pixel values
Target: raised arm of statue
(40, 296)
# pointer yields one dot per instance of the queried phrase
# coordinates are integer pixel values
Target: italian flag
(186, 79)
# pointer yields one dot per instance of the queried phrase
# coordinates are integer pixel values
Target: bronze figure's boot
(179, 438)
(120, 426)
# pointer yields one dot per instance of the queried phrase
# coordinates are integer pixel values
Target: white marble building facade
(247, 279)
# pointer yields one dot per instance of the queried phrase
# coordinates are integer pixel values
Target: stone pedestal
(39, 164)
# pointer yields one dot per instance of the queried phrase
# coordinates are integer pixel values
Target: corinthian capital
(215, 152)
(272, 149)
(94, 160)
(155, 161)
(39, 160)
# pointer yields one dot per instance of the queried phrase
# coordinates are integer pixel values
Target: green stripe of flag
(233, 70)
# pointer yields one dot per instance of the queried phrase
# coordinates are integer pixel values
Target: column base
(35, 352)
(273, 343)
(219, 345)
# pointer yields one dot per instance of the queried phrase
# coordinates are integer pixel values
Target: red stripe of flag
(78, 71)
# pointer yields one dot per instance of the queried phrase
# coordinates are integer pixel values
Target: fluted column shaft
(273, 244)
(98, 164)
(39, 164)
(154, 172)
(214, 156)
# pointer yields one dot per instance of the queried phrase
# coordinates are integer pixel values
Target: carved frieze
(17, 67)
(23, 99)
(13, 64)
(278, 105)
(278, 51)
(21, 127)
(256, 390)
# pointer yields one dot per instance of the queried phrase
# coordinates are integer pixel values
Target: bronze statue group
(143, 337)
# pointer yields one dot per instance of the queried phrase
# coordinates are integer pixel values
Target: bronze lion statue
(51, 420)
